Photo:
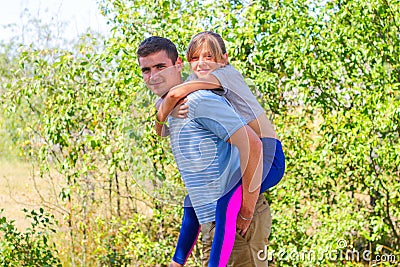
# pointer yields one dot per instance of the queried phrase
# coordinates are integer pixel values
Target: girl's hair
(207, 40)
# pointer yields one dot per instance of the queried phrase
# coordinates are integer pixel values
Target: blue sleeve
(216, 115)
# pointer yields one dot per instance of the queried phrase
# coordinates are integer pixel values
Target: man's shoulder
(204, 95)
(206, 100)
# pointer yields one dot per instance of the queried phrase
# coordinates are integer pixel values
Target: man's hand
(243, 224)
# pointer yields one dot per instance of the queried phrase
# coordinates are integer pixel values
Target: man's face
(159, 73)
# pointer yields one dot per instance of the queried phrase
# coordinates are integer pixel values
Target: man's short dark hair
(156, 44)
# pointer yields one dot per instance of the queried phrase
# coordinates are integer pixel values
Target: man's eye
(145, 71)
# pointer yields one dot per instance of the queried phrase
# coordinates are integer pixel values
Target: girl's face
(202, 63)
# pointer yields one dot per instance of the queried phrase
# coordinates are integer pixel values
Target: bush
(29, 248)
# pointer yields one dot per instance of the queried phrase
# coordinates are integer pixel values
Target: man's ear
(179, 63)
(226, 58)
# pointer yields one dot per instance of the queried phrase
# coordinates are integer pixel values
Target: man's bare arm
(250, 148)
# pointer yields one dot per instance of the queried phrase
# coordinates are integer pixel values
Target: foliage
(327, 72)
(32, 247)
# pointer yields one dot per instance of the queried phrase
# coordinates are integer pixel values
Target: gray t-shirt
(237, 92)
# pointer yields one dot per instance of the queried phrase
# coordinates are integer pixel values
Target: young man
(211, 147)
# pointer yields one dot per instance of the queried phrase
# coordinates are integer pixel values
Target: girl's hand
(181, 110)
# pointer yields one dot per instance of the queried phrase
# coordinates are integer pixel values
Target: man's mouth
(155, 84)
(155, 81)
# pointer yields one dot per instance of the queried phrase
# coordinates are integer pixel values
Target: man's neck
(164, 95)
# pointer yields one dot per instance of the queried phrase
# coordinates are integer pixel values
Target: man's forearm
(251, 179)
(250, 149)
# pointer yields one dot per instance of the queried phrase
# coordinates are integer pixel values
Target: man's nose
(153, 73)
(154, 76)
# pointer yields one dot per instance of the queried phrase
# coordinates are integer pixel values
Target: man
(211, 147)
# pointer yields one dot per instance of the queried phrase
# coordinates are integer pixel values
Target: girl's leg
(273, 163)
(229, 205)
(225, 226)
(188, 235)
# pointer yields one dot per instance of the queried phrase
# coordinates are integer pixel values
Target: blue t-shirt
(206, 161)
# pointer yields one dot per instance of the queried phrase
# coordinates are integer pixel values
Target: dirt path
(17, 191)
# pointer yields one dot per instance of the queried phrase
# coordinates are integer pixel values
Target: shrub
(29, 248)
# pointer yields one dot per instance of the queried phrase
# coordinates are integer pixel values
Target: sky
(79, 14)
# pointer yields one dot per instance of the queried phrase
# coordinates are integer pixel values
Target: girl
(209, 63)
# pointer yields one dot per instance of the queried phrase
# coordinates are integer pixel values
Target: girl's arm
(180, 91)
(160, 127)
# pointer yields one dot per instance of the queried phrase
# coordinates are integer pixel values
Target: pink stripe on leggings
(230, 226)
